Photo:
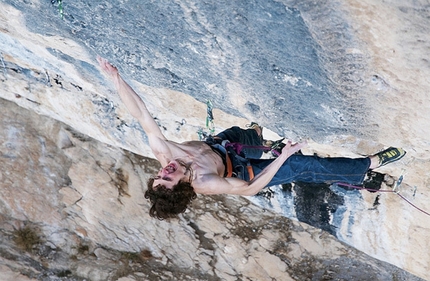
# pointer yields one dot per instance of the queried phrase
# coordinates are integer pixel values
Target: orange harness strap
(230, 168)
(250, 172)
(229, 165)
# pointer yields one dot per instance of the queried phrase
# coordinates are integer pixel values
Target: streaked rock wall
(351, 77)
(73, 209)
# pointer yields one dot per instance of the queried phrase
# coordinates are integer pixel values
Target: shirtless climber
(214, 167)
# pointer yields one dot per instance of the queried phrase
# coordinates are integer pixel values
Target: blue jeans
(303, 168)
(314, 169)
(248, 137)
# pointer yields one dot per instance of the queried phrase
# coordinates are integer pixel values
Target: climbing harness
(230, 150)
(395, 190)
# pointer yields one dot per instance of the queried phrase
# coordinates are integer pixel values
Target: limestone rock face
(351, 77)
(73, 208)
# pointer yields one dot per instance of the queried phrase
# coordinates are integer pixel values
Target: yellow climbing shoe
(389, 155)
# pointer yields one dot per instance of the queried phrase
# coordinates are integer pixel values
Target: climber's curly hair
(168, 203)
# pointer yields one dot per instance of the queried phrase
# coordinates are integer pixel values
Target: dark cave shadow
(317, 203)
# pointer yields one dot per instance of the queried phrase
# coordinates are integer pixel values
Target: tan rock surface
(74, 182)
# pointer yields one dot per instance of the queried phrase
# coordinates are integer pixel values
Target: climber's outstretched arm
(136, 107)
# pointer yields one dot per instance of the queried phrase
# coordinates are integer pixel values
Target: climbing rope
(238, 147)
(394, 190)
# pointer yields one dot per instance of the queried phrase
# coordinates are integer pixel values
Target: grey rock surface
(261, 52)
(352, 77)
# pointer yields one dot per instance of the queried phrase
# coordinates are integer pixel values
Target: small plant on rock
(27, 238)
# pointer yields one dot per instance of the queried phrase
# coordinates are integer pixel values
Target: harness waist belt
(222, 152)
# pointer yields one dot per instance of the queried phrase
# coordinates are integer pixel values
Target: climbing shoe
(257, 128)
(389, 155)
(254, 125)
(373, 181)
(276, 147)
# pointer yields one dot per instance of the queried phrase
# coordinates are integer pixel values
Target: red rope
(238, 147)
(384, 190)
(404, 198)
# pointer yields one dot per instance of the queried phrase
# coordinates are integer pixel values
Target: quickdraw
(210, 124)
(60, 7)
